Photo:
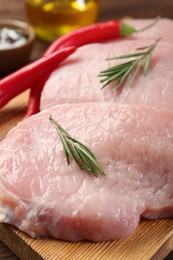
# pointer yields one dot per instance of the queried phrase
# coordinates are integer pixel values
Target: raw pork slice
(77, 81)
(43, 196)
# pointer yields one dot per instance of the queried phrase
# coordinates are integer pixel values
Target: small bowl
(14, 57)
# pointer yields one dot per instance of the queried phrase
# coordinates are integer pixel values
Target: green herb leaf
(84, 158)
(119, 74)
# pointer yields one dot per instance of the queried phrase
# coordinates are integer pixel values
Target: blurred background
(109, 9)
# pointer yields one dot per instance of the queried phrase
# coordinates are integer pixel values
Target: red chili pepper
(24, 78)
(98, 32)
(34, 99)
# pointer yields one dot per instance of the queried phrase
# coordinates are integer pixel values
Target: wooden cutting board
(152, 239)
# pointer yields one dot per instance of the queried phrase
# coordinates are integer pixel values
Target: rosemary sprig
(84, 158)
(119, 74)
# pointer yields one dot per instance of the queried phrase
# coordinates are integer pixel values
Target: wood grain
(152, 240)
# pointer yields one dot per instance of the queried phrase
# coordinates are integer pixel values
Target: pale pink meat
(77, 81)
(43, 196)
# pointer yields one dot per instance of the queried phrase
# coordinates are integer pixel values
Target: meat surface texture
(77, 81)
(43, 196)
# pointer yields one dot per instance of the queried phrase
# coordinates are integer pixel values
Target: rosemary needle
(119, 74)
(84, 158)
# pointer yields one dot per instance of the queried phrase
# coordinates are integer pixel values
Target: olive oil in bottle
(52, 19)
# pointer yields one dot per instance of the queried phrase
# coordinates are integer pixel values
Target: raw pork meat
(77, 81)
(43, 196)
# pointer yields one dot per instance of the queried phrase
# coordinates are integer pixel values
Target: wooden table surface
(109, 9)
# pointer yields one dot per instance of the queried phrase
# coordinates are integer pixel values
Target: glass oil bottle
(52, 19)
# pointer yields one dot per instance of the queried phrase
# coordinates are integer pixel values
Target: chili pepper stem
(126, 29)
